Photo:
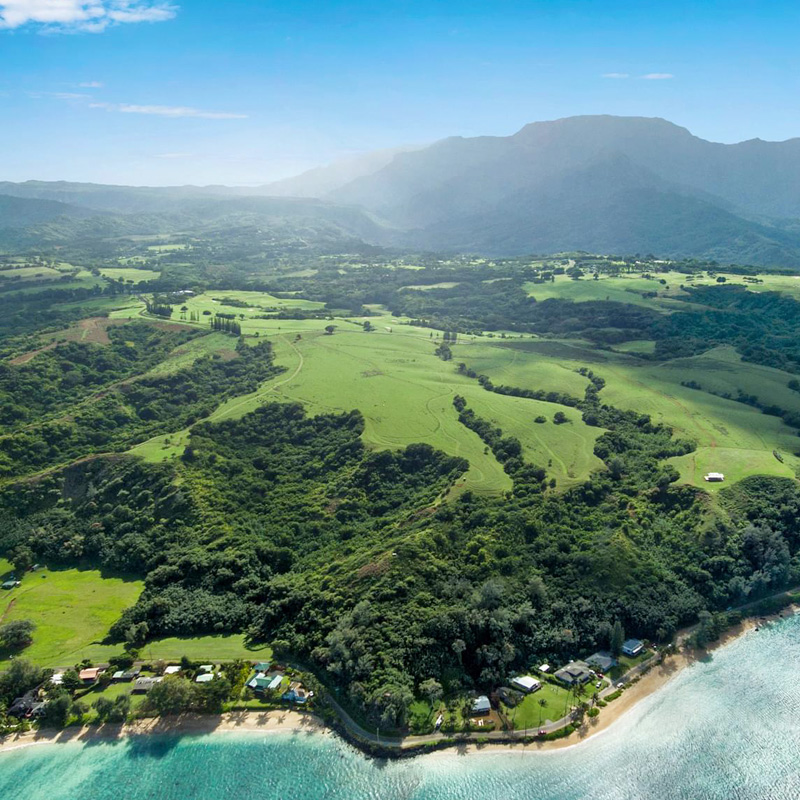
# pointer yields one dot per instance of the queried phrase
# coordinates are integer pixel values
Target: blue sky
(245, 91)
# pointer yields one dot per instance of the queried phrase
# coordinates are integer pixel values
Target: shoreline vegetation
(295, 722)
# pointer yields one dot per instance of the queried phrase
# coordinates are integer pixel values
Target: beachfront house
(296, 693)
(632, 647)
(172, 670)
(21, 707)
(526, 683)
(481, 706)
(576, 672)
(602, 661)
(206, 677)
(260, 683)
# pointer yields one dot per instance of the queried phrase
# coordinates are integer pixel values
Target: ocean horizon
(727, 727)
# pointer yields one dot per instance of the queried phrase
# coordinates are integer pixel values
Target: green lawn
(73, 610)
(626, 663)
(529, 713)
(214, 648)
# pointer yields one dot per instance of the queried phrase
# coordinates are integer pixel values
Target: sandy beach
(277, 721)
(286, 721)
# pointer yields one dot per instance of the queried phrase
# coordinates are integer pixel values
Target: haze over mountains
(602, 184)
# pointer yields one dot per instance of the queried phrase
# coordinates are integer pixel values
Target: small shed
(714, 477)
(481, 705)
(145, 684)
(544, 668)
(204, 678)
(526, 683)
(172, 670)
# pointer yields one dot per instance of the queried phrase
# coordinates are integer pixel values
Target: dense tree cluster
(133, 411)
(56, 378)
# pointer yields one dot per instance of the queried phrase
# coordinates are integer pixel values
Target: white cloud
(91, 85)
(616, 75)
(167, 111)
(657, 76)
(60, 95)
(92, 16)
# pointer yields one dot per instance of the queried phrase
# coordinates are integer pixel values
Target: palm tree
(542, 704)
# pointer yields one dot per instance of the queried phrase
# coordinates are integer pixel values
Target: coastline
(655, 680)
(274, 721)
(287, 721)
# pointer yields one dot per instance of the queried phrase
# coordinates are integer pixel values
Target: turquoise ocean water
(728, 728)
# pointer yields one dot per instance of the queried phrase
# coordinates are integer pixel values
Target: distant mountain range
(600, 183)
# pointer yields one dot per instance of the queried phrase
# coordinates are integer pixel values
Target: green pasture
(732, 438)
(220, 344)
(166, 248)
(258, 302)
(630, 288)
(130, 274)
(406, 395)
(227, 647)
(422, 287)
(73, 610)
(644, 346)
(30, 273)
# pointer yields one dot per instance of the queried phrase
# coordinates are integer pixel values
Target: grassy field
(214, 648)
(406, 395)
(73, 610)
(631, 288)
(129, 274)
(166, 248)
(732, 438)
(184, 356)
